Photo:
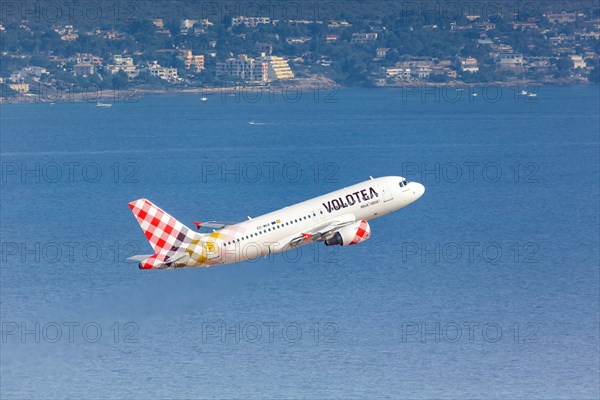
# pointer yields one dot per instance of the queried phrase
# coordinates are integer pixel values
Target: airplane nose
(418, 190)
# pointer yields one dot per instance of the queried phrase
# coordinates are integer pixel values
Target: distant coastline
(314, 84)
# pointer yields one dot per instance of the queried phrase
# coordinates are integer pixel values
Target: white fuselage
(272, 232)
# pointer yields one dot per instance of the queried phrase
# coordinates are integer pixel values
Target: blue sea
(486, 287)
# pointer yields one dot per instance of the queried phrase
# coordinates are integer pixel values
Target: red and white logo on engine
(363, 232)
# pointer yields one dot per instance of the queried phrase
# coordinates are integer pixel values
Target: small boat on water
(252, 122)
(203, 99)
(524, 92)
(531, 94)
(99, 104)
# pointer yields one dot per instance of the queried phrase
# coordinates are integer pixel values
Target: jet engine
(351, 234)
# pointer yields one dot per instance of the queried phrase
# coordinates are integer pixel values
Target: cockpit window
(404, 182)
(401, 184)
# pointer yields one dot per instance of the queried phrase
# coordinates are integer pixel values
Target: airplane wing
(213, 224)
(322, 231)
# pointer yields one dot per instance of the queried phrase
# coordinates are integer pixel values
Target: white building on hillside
(164, 73)
(244, 68)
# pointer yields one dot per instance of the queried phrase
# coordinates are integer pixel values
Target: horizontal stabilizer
(160, 260)
(176, 257)
(213, 224)
(140, 257)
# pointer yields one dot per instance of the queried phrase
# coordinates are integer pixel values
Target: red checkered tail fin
(162, 230)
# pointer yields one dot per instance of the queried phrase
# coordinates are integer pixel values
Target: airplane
(337, 218)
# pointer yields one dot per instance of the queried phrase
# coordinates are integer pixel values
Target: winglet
(198, 224)
(307, 236)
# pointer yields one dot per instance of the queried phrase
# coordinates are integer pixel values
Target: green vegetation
(406, 30)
